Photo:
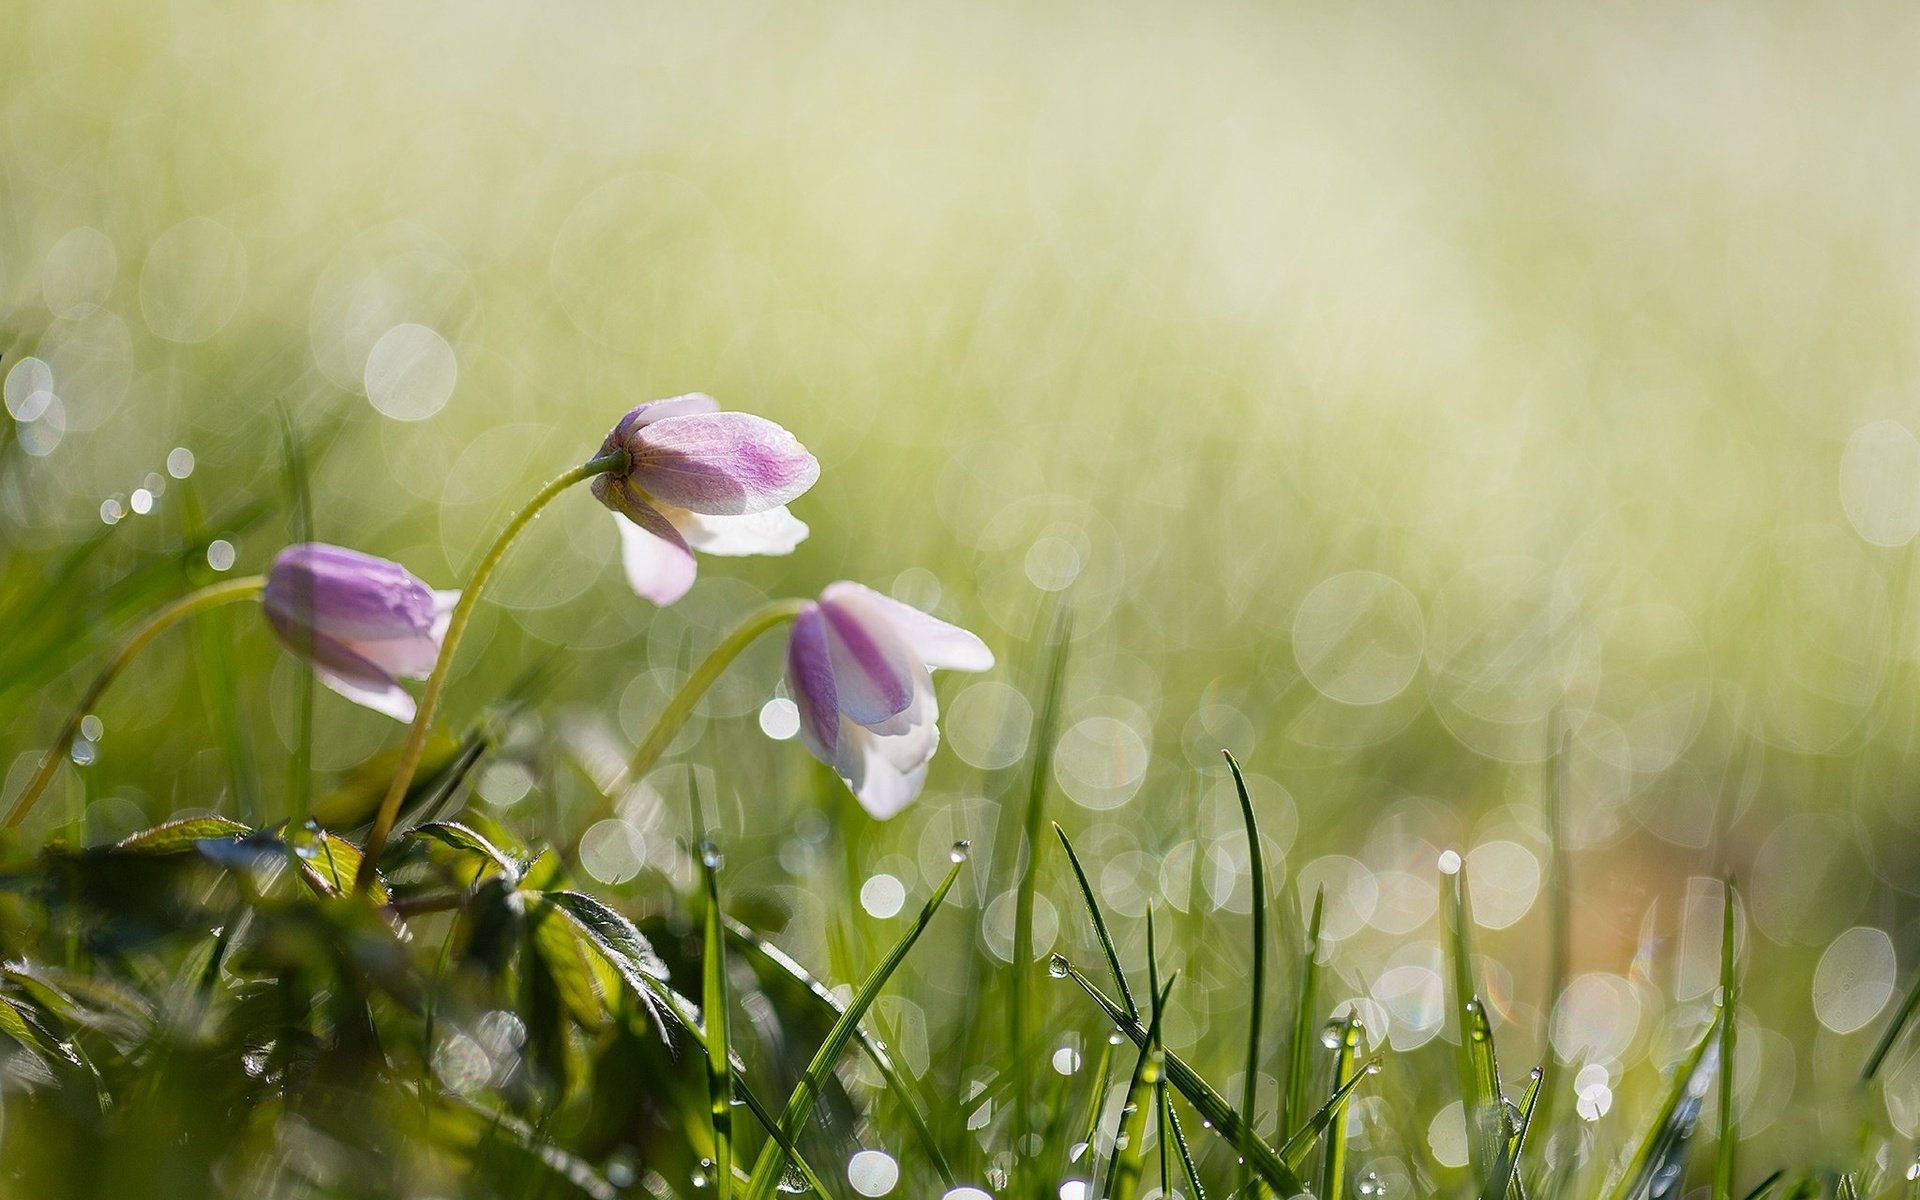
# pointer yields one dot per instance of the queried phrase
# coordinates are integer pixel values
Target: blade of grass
(1086, 1147)
(1300, 1053)
(1299, 1147)
(768, 1167)
(1672, 1124)
(1160, 1077)
(875, 1051)
(1099, 923)
(1766, 1185)
(1729, 1132)
(1333, 1160)
(1902, 1017)
(1046, 721)
(1506, 1172)
(1130, 1139)
(1172, 1119)
(300, 510)
(1212, 1107)
(1478, 1077)
(1559, 911)
(714, 1004)
(1250, 1081)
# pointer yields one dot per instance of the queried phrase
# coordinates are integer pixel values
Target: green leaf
(24, 1025)
(180, 836)
(621, 946)
(767, 1169)
(1479, 1075)
(456, 836)
(560, 942)
(329, 863)
(1212, 1107)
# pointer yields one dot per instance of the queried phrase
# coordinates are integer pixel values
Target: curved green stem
(225, 592)
(678, 709)
(416, 743)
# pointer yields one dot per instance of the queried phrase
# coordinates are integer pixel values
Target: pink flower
(859, 666)
(362, 623)
(701, 479)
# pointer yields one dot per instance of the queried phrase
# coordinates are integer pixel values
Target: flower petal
(654, 410)
(810, 679)
(938, 644)
(885, 774)
(775, 531)
(720, 464)
(659, 566)
(873, 668)
(389, 698)
(346, 594)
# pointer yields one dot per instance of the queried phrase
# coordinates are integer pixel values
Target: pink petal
(720, 464)
(873, 668)
(938, 644)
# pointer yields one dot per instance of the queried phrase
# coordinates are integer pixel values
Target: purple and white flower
(859, 667)
(701, 479)
(362, 623)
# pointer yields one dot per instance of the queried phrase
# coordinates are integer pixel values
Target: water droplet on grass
(1058, 966)
(959, 852)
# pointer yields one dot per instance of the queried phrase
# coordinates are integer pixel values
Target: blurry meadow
(1464, 415)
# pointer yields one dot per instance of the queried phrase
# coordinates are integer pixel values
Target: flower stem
(225, 592)
(680, 707)
(416, 742)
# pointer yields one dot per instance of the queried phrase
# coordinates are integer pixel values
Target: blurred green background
(1385, 387)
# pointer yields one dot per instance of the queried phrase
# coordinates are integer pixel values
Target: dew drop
(959, 852)
(1058, 966)
(91, 727)
(710, 856)
(83, 752)
(1449, 862)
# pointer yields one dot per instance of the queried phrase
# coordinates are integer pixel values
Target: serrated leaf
(179, 836)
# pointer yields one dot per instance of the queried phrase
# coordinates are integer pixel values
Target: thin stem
(416, 743)
(680, 707)
(225, 592)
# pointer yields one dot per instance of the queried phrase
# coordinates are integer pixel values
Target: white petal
(939, 645)
(874, 670)
(408, 658)
(775, 531)
(885, 773)
(656, 569)
(443, 605)
(391, 700)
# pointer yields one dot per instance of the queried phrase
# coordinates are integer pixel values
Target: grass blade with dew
(1099, 924)
(1479, 1076)
(1660, 1159)
(1171, 1120)
(1300, 1146)
(1729, 1129)
(1130, 1139)
(768, 1168)
(1506, 1172)
(1305, 1032)
(1212, 1107)
(1257, 860)
(1333, 1159)
(1088, 1147)
(714, 1003)
(1045, 725)
(780, 961)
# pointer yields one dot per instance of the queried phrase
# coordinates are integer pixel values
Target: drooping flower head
(701, 479)
(362, 623)
(859, 666)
